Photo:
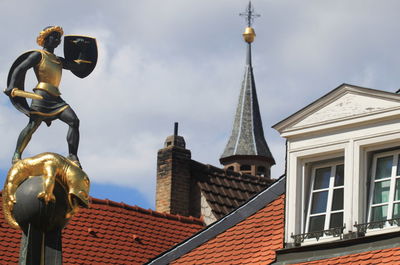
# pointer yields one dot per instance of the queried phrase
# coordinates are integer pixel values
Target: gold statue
(47, 105)
(52, 167)
(43, 192)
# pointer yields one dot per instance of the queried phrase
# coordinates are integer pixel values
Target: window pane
(339, 178)
(316, 223)
(397, 191)
(398, 166)
(381, 191)
(396, 210)
(337, 200)
(336, 220)
(322, 176)
(319, 201)
(384, 167)
(378, 213)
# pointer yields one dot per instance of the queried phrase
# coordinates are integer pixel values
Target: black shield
(19, 103)
(81, 49)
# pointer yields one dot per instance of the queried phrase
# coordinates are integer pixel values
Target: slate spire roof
(247, 137)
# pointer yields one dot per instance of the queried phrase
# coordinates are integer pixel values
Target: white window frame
(299, 165)
(393, 177)
(331, 187)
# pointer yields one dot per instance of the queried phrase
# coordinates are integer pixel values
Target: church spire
(247, 151)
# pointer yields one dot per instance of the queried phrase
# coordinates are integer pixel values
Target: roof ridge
(247, 177)
(232, 174)
(177, 217)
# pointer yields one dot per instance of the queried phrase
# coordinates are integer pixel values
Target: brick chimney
(173, 176)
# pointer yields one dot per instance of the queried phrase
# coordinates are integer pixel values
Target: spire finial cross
(249, 14)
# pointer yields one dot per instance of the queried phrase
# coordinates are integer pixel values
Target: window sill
(325, 239)
(318, 236)
(348, 245)
(384, 230)
(336, 234)
(379, 227)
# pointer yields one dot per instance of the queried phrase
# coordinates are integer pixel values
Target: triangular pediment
(344, 103)
(346, 106)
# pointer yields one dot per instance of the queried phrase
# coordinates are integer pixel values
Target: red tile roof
(9, 242)
(252, 241)
(110, 233)
(383, 256)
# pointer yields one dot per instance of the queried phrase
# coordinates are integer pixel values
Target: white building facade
(343, 177)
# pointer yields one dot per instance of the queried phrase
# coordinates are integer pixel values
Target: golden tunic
(48, 73)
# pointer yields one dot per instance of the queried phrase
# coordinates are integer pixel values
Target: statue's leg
(25, 136)
(69, 117)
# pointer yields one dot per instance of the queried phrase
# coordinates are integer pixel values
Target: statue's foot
(47, 197)
(74, 159)
(16, 157)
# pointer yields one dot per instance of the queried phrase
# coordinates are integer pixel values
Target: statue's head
(50, 36)
(78, 184)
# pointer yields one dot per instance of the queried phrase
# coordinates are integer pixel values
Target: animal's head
(78, 185)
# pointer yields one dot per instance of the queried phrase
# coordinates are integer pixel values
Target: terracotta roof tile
(110, 233)
(252, 241)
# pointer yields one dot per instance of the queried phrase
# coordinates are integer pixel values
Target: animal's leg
(48, 183)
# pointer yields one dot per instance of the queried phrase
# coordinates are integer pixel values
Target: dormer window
(348, 132)
(325, 210)
(385, 187)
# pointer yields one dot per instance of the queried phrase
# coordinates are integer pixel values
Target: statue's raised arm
(80, 55)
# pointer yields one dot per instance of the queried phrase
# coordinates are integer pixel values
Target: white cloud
(166, 61)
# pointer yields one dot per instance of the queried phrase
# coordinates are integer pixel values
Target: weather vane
(249, 14)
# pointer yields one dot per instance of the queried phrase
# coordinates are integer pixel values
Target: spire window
(261, 170)
(245, 168)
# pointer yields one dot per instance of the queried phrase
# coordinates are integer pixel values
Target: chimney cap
(175, 139)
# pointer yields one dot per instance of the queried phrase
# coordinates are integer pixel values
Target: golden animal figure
(52, 167)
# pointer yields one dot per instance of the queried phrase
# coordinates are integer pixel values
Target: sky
(182, 61)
